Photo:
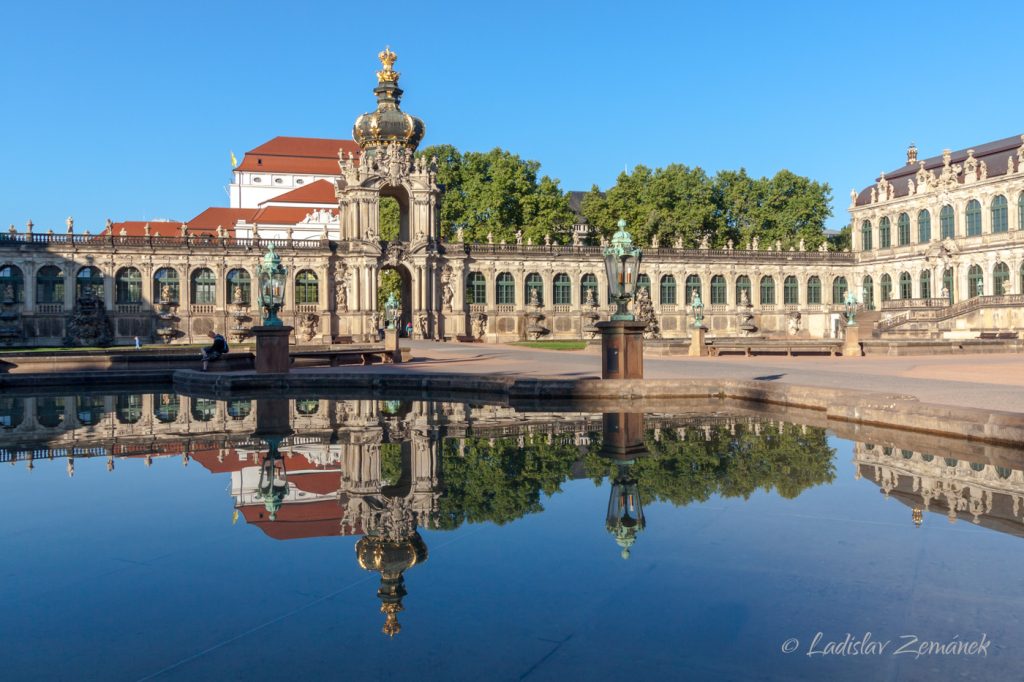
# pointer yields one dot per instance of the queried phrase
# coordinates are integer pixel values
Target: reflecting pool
(163, 536)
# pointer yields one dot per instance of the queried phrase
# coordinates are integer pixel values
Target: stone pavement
(982, 381)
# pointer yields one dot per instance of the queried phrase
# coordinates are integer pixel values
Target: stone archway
(397, 279)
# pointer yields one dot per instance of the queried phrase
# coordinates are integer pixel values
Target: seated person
(213, 352)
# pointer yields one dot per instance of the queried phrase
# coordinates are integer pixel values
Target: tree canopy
(500, 193)
(679, 202)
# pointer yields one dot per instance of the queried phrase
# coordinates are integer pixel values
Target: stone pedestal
(622, 349)
(698, 349)
(272, 349)
(851, 344)
(391, 344)
(273, 417)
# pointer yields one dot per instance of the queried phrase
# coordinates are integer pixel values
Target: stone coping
(895, 411)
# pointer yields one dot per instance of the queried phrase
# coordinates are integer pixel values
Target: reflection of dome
(388, 124)
(391, 559)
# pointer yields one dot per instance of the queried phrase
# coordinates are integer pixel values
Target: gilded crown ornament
(387, 126)
(387, 59)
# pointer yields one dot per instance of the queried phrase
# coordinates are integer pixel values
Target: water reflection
(384, 470)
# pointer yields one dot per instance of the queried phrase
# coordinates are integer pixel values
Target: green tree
(390, 283)
(498, 193)
(390, 218)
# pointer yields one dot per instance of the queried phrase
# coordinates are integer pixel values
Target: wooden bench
(997, 335)
(762, 346)
(343, 356)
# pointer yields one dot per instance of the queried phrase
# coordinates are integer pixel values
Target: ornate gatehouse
(938, 252)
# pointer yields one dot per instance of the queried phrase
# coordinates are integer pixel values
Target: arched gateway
(386, 168)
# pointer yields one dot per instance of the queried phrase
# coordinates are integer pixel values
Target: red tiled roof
(318, 482)
(305, 155)
(137, 228)
(208, 220)
(319, 192)
(283, 215)
(298, 519)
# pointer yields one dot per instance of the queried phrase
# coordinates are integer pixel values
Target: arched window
(534, 283)
(906, 286)
(973, 218)
(203, 409)
(692, 287)
(307, 287)
(239, 287)
(166, 407)
(90, 409)
(239, 408)
(50, 285)
(926, 284)
(12, 412)
(767, 290)
(1000, 279)
(204, 287)
(947, 283)
(668, 290)
(924, 226)
(718, 290)
(129, 407)
(839, 287)
(476, 288)
(128, 286)
(813, 291)
(790, 291)
(975, 282)
(885, 286)
(506, 289)
(50, 412)
(588, 283)
(562, 289)
(89, 282)
(947, 223)
(865, 235)
(1022, 277)
(1020, 211)
(166, 286)
(12, 284)
(743, 287)
(643, 282)
(868, 287)
(903, 229)
(1000, 221)
(884, 233)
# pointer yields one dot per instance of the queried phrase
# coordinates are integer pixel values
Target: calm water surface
(167, 537)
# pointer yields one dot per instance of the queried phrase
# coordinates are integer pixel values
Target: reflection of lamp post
(623, 442)
(273, 477)
(272, 335)
(622, 344)
(272, 278)
(622, 265)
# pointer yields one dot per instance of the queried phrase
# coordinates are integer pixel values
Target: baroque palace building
(937, 249)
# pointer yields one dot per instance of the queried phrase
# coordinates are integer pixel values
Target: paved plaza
(984, 381)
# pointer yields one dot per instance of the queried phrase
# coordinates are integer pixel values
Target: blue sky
(129, 110)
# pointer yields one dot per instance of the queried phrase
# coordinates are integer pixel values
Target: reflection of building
(984, 493)
(955, 224)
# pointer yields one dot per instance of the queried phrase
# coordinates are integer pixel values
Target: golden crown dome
(388, 124)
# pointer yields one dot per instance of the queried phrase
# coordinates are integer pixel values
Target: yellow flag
(234, 518)
(234, 161)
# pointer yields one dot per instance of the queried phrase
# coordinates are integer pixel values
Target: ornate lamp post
(697, 346)
(698, 311)
(622, 341)
(622, 265)
(391, 310)
(272, 336)
(851, 340)
(272, 277)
